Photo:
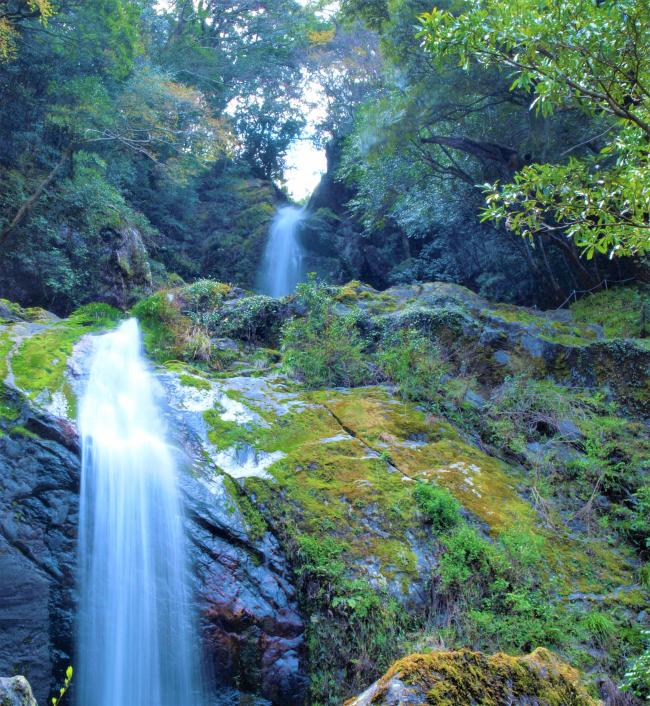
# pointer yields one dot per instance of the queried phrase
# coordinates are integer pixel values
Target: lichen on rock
(465, 677)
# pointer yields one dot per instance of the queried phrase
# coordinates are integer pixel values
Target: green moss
(27, 314)
(253, 518)
(194, 381)
(620, 311)
(22, 431)
(546, 328)
(40, 361)
(8, 409)
(464, 677)
(6, 344)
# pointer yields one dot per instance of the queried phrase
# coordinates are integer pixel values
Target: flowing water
(282, 263)
(135, 643)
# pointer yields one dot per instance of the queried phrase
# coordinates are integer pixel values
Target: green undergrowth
(323, 348)
(623, 312)
(355, 629)
(6, 344)
(40, 361)
(531, 495)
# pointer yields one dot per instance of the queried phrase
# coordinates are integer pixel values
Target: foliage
(507, 604)
(323, 348)
(56, 700)
(168, 333)
(15, 14)
(623, 312)
(414, 364)
(442, 510)
(524, 409)
(637, 677)
(579, 54)
(352, 623)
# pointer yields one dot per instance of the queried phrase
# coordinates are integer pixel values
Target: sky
(305, 166)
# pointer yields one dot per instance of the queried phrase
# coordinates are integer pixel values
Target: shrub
(204, 294)
(169, 334)
(524, 410)
(413, 363)
(466, 555)
(438, 504)
(637, 676)
(323, 348)
(497, 590)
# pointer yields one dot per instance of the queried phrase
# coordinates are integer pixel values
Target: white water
(135, 642)
(282, 262)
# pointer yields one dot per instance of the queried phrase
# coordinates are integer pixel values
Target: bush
(496, 588)
(323, 348)
(524, 410)
(413, 363)
(637, 676)
(169, 334)
(438, 504)
(466, 556)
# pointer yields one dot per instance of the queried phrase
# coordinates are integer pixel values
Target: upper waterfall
(282, 264)
(135, 644)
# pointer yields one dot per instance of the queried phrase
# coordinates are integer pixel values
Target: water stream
(282, 264)
(135, 642)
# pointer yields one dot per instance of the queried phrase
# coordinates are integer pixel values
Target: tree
(584, 55)
(431, 133)
(166, 122)
(15, 14)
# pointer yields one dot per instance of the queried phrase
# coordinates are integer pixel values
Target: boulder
(16, 691)
(126, 274)
(464, 677)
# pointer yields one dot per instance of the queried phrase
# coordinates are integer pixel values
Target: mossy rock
(465, 677)
(39, 358)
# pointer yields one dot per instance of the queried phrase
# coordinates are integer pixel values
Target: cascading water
(135, 642)
(282, 263)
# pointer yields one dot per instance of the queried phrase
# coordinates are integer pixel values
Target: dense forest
(172, 122)
(385, 443)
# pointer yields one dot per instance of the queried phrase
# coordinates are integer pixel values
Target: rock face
(464, 677)
(16, 691)
(39, 479)
(126, 274)
(251, 628)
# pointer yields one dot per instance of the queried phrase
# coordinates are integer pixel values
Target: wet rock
(474, 399)
(38, 509)
(16, 691)
(249, 619)
(568, 430)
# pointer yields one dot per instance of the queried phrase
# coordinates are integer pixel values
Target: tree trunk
(22, 211)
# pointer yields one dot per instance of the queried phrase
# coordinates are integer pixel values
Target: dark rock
(252, 631)
(126, 274)
(38, 507)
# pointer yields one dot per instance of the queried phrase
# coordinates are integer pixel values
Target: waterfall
(135, 642)
(282, 262)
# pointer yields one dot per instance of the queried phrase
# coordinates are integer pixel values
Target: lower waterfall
(135, 643)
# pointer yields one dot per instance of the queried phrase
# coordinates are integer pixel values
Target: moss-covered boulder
(464, 677)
